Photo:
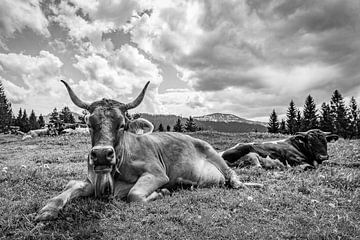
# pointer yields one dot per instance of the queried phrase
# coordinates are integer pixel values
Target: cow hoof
(236, 184)
(47, 216)
(165, 192)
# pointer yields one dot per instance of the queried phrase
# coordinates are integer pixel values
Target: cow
(139, 167)
(304, 149)
(39, 133)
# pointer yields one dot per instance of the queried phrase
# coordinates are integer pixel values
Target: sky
(244, 57)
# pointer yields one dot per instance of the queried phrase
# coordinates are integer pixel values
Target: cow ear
(332, 137)
(140, 126)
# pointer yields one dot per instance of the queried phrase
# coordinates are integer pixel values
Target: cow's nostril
(110, 154)
(93, 154)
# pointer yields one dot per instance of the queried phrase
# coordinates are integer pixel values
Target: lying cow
(307, 149)
(39, 133)
(138, 167)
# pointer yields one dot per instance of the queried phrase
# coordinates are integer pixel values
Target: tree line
(335, 117)
(26, 122)
(189, 126)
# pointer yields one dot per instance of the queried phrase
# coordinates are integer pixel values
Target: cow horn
(138, 100)
(327, 133)
(74, 98)
(301, 133)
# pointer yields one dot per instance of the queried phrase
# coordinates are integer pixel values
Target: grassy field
(317, 204)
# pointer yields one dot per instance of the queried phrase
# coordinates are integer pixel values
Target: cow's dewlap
(104, 185)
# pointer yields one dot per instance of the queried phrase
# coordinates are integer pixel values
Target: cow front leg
(122, 189)
(145, 188)
(73, 190)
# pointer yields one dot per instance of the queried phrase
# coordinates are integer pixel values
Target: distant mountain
(217, 122)
(222, 117)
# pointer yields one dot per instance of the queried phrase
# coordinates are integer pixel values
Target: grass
(317, 204)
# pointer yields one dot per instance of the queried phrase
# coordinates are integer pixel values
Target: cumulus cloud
(243, 57)
(16, 15)
(270, 47)
(183, 101)
(39, 74)
(14, 93)
(88, 21)
(119, 75)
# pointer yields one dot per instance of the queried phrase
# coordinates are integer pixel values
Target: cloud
(38, 74)
(16, 15)
(119, 75)
(180, 101)
(58, 46)
(275, 48)
(14, 93)
(243, 57)
(87, 21)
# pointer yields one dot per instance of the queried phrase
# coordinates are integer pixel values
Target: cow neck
(299, 145)
(123, 148)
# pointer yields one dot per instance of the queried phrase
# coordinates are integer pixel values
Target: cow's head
(107, 123)
(314, 144)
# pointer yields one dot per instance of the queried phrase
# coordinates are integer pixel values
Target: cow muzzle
(102, 158)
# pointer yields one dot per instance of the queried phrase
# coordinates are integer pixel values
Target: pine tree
(168, 128)
(326, 121)
(339, 114)
(41, 121)
(25, 125)
(310, 120)
(353, 118)
(273, 125)
(178, 127)
(5, 110)
(66, 115)
(291, 118)
(160, 128)
(299, 122)
(54, 117)
(18, 118)
(71, 118)
(282, 128)
(33, 121)
(190, 125)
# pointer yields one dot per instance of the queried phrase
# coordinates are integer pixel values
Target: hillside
(217, 122)
(223, 117)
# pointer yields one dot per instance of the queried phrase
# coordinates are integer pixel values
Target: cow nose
(102, 155)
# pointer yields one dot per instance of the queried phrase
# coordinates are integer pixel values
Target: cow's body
(139, 167)
(37, 133)
(181, 159)
(309, 148)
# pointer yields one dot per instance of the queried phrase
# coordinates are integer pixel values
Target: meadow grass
(316, 204)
